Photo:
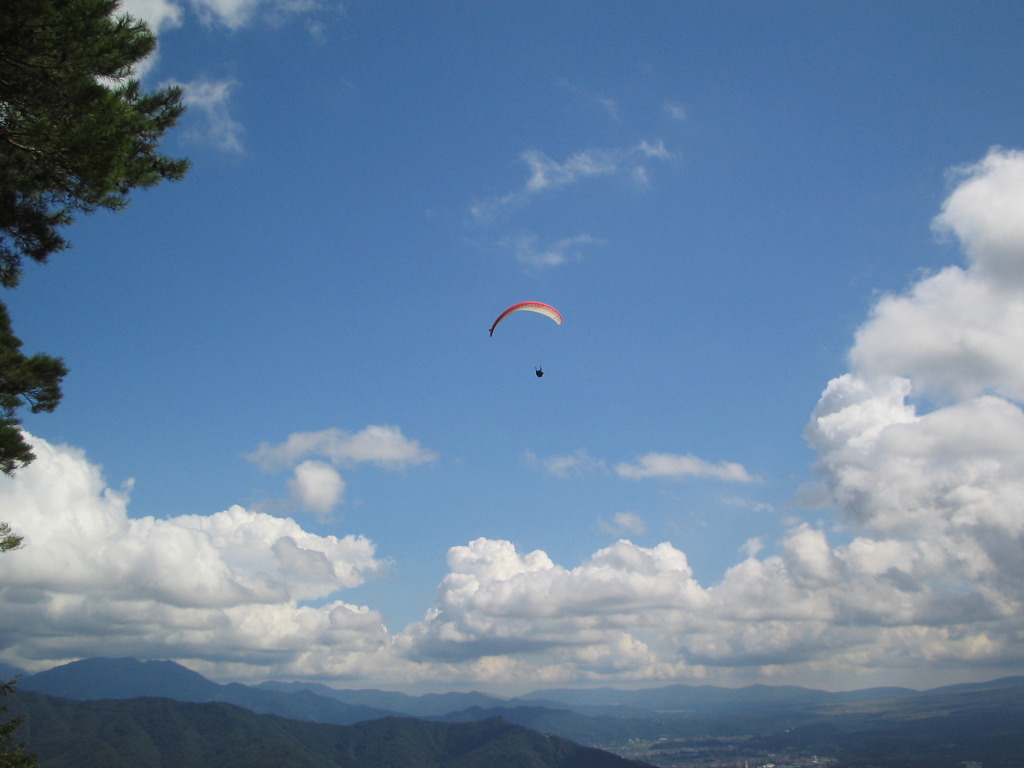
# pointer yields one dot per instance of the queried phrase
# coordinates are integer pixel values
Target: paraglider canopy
(529, 306)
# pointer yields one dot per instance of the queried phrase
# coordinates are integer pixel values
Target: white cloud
(656, 149)
(674, 110)
(210, 98)
(937, 493)
(954, 335)
(546, 174)
(233, 14)
(955, 471)
(752, 546)
(647, 466)
(636, 613)
(741, 503)
(959, 333)
(91, 580)
(623, 524)
(384, 446)
(688, 465)
(236, 14)
(243, 595)
(317, 486)
(555, 254)
(576, 463)
(892, 469)
(495, 601)
(986, 213)
(162, 16)
(159, 15)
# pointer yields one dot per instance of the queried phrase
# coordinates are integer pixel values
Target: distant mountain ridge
(122, 678)
(141, 732)
(427, 705)
(125, 678)
(876, 727)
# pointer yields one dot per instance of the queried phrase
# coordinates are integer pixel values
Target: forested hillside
(160, 733)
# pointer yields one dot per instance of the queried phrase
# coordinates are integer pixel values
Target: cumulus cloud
(93, 580)
(956, 336)
(317, 486)
(984, 213)
(937, 492)
(814, 612)
(496, 601)
(546, 174)
(688, 465)
(919, 448)
(959, 333)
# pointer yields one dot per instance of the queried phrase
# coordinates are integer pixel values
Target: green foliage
(76, 132)
(24, 381)
(8, 539)
(12, 753)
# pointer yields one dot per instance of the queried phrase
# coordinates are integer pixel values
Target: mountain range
(162, 733)
(125, 678)
(868, 727)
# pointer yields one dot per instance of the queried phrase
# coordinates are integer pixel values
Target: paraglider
(530, 306)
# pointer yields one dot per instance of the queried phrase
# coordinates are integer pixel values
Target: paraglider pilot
(539, 372)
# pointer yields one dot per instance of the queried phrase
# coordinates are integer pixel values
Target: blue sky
(778, 435)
